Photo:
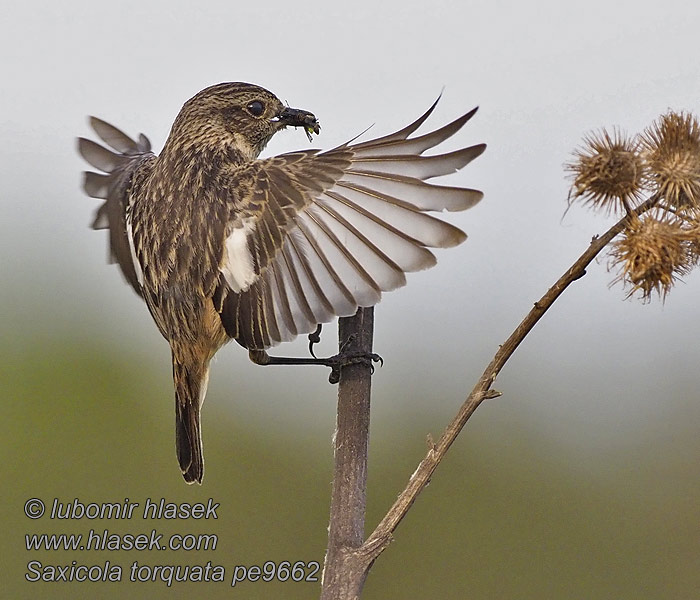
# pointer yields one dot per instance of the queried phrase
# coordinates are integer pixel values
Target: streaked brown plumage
(222, 245)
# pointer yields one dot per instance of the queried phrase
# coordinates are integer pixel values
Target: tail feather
(190, 388)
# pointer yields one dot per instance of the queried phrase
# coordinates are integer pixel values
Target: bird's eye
(256, 108)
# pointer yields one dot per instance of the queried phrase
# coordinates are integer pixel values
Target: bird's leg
(314, 338)
(336, 362)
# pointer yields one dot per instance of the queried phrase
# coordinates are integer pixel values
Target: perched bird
(222, 245)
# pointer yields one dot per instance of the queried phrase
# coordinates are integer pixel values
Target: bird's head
(237, 115)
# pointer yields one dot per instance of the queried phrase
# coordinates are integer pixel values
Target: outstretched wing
(314, 235)
(118, 170)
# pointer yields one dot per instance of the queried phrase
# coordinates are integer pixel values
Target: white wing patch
(237, 265)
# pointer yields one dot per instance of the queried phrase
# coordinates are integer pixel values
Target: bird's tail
(190, 388)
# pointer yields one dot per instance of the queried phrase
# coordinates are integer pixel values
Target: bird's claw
(344, 359)
(314, 338)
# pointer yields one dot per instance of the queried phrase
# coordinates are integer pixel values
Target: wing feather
(412, 146)
(400, 252)
(320, 304)
(401, 134)
(419, 167)
(306, 314)
(333, 230)
(399, 217)
(115, 138)
(414, 192)
(112, 186)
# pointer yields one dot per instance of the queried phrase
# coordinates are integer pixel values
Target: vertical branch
(343, 577)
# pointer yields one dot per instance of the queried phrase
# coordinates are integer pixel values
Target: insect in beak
(294, 117)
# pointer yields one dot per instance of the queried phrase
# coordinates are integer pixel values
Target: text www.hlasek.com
(104, 540)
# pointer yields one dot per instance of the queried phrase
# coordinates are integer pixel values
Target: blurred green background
(581, 481)
(511, 513)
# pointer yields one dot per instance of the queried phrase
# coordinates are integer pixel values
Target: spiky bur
(607, 172)
(655, 178)
(671, 151)
(652, 253)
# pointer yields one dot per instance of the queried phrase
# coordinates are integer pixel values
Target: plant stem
(343, 575)
(348, 559)
(381, 536)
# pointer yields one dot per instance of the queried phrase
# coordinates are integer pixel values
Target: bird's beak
(294, 117)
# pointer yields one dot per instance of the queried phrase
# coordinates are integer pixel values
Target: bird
(224, 245)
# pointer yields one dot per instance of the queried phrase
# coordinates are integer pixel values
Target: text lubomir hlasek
(160, 509)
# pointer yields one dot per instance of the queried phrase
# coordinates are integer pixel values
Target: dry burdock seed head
(693, 225)
(652, 253)
(608, 172)
(671, 151)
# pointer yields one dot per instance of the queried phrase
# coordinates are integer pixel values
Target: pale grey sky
(543, 73)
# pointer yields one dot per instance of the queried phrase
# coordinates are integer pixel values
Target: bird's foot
(336, 362)
(344, 358)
